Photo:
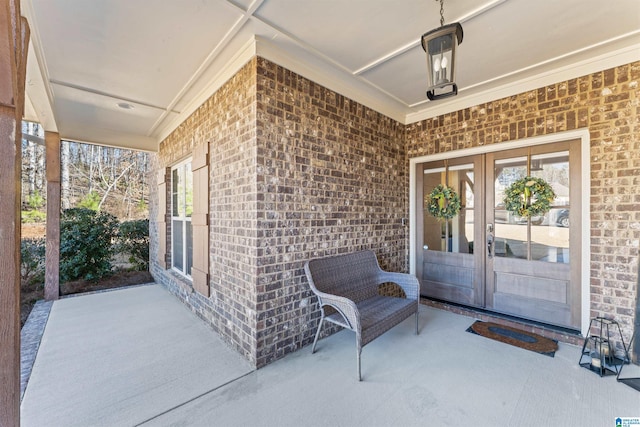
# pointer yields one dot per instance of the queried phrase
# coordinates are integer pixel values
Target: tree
(108, 179)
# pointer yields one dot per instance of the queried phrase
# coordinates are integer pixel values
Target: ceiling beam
(415, 43)
(233, 31)
(580, 63)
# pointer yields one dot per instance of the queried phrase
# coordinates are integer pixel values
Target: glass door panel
(550, 236)
(462, 226)
(449, 258)
(434, 229)
(456, 234)
(510, 237)
(528, 270)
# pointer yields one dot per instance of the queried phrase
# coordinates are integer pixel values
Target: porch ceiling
(164, 58)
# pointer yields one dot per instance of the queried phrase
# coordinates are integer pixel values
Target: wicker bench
(348, 284)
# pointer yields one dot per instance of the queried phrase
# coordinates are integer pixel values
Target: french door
(489, 258)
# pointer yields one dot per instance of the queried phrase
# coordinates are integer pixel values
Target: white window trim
(185, 219)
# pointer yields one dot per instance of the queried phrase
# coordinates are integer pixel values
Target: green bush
(133, 239)
(86, 249)
(32, 213)
(32, 253)
(142, 206)
(90, 201)
(33, 216)
(35, 201)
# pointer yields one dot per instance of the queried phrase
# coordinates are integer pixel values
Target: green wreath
(443, 202)
(529, 196)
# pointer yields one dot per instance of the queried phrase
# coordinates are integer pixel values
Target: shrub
(142, 206)
(33, 216)
(32, 213)
(90, 201)
(86, 244)
(32, 252)
(35, 201)
(133, 239)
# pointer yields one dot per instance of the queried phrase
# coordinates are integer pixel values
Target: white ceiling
(164, 58)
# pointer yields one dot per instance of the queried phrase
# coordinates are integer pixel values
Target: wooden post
(14, 39)
(52, 256)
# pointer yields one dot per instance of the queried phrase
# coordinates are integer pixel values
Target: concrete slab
(123, 357)
(444, 377)
(139, 357)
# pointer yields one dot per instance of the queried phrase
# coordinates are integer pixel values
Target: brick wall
(227, 121)
(297, 171)
(608, 104)
(330, 180)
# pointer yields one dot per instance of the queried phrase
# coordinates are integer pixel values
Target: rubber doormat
(515, 337)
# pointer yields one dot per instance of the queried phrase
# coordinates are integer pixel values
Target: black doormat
(516, 337)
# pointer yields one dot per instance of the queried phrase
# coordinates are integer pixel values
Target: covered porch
(300, 139)
(139, 357)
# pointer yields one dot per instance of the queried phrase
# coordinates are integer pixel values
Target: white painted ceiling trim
(164, 127)
(220, 77)
(256, 30)
(37, 95)
(110, 138)
(461, 20)
(37, 90)
(608, 59)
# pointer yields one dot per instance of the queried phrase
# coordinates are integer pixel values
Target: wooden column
(14, 39)
(52, 256)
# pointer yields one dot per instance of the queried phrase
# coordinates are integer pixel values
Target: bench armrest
(408, 283)
(344, 306)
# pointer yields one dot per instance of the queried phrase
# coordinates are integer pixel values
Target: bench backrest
(354, 275)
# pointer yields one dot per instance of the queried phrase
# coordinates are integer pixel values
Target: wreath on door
(443, 202)
(529, 196)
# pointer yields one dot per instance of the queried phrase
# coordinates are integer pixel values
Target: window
(181, 210)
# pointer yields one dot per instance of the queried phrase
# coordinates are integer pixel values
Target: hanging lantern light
(440, 46)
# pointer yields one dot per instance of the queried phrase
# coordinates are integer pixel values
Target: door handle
(490, 245)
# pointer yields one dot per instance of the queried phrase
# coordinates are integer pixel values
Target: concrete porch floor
(139, 357)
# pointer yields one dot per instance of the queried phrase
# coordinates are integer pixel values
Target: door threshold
(558, 333)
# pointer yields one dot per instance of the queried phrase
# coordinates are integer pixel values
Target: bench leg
(315, 341)
(359, 371)
(417, 322)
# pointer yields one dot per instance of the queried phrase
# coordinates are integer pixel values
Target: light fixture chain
(441, 13)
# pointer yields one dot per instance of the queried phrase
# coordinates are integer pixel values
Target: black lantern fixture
(440, 46)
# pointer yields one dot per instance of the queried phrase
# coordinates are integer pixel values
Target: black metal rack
(598, 355)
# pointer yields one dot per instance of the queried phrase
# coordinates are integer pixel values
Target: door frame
(415, 203)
